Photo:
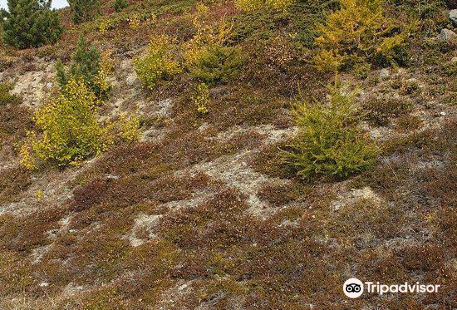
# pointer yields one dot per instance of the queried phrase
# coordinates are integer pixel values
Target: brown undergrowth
(201, 247)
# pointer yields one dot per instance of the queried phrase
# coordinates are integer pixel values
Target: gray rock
(49, 85)
(50, 68)
(164, 107)
(131, 79)
(453, 16)
(219, 92)
(447, 35)
(384, 73)
(125, 64)
(152, 135)
(113, 177)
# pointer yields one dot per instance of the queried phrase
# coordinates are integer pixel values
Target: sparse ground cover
(203, 212)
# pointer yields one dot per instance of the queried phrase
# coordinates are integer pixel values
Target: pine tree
(30, 23)
(84, 10)
(86, 61)
(87, 66)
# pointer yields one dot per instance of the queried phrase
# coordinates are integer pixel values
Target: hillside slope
(202, 212)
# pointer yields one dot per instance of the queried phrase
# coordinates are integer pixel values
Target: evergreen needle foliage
(84, 10)
(88, 65)
(359, 32)
(257, 5)
(30, 23)
(330, 142)
(208, 57)
(214, 63)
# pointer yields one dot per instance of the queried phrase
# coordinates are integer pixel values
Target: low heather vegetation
(183, 154)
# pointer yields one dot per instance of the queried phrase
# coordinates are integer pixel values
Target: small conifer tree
(84, 10)
(360, 32)
(87, 65)
(30, 23)
(330, 142)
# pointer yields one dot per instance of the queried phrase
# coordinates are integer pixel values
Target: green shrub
(119, 5)
(30, 23)
(257, 5)
(69, 130)
(88, 65)
(330, 142)
(158, 64)
(84, 10)
(360, 32)
(214, 63)
(5, 96)
(207, 56)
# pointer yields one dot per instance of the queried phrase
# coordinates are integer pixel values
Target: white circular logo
(353, 288)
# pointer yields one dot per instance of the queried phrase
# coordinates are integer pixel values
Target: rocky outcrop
(453, 16)
(34, 85)
(448, 36)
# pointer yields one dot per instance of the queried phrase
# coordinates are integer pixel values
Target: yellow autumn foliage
(69, 131)
(251, 6)
(359, 32)
(158, 64)
(208, 57)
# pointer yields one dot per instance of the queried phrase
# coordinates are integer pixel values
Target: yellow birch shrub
(68, 129)
(158, 64)
(101, 79)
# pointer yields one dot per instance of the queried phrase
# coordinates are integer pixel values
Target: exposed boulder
(453, 15)
(384, 73)
(448, 36)
(131, 79)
